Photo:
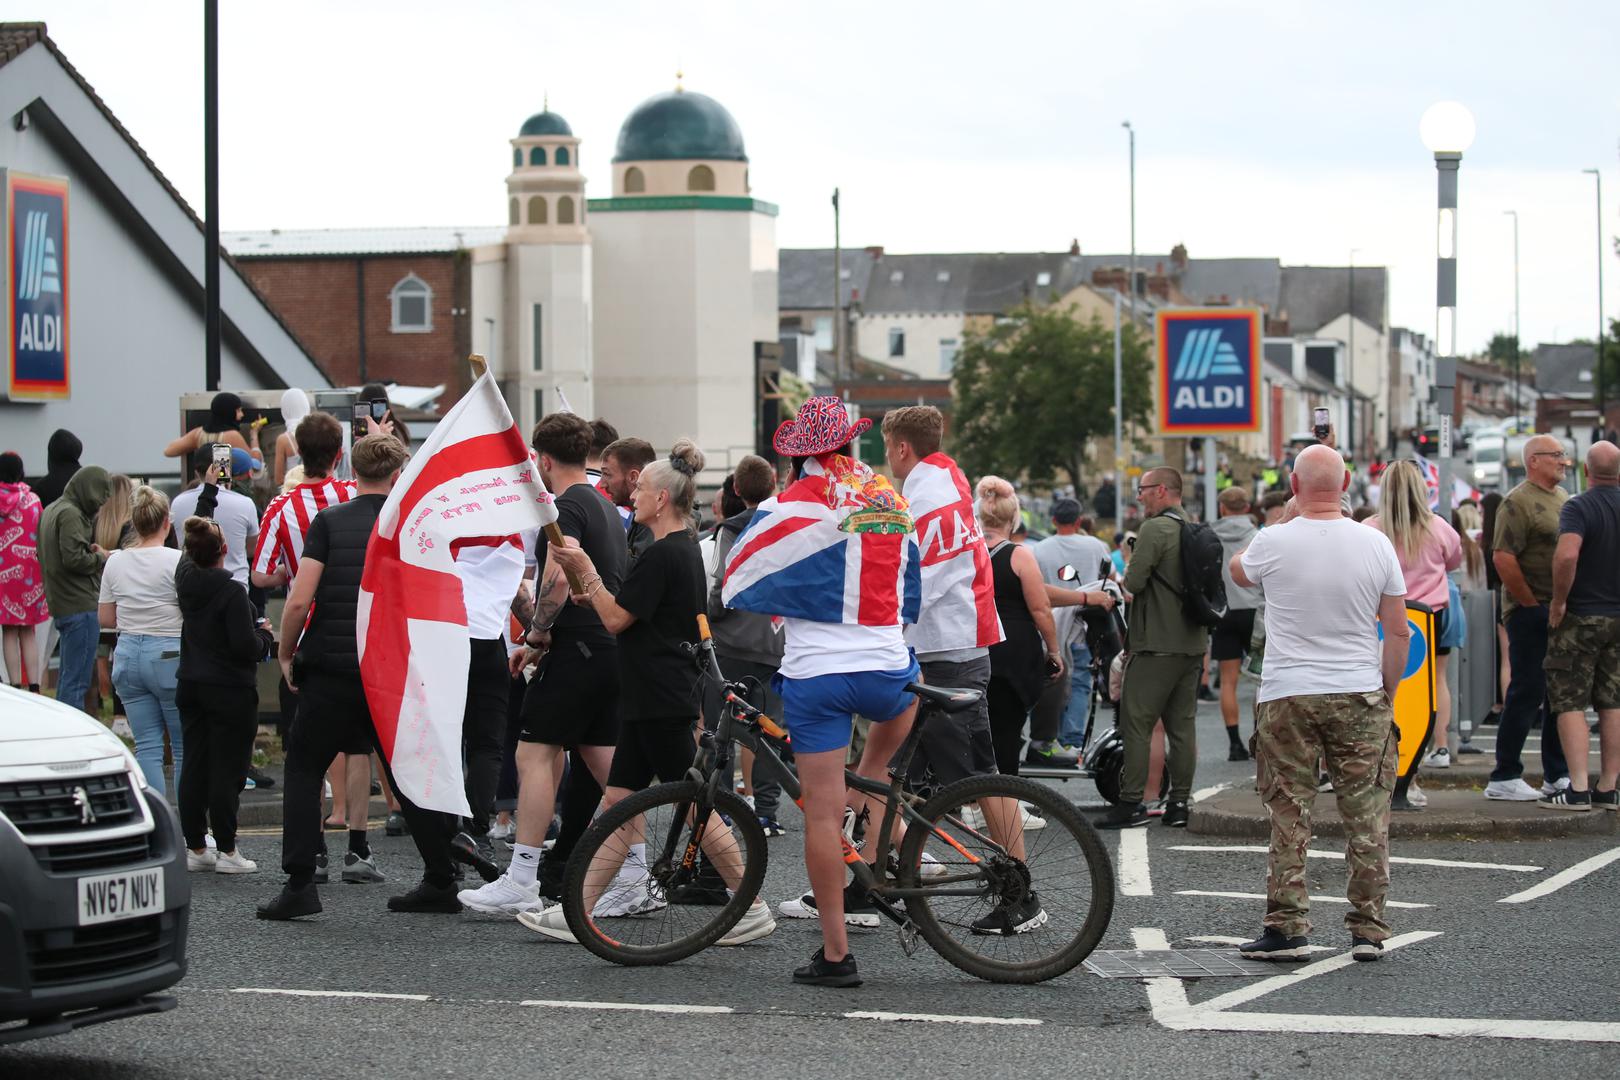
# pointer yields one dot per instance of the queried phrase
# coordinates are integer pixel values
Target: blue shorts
(819, 711)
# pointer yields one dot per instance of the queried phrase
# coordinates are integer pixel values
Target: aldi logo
(38, 276)
(1209, 370)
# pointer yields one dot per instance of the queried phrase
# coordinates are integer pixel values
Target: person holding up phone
(213, 466)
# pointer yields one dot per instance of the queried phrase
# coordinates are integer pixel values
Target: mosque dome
(545, 123)
(679, 126)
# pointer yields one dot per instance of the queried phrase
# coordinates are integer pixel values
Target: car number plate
(108, 898)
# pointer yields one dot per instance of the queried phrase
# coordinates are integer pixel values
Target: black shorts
(573, 699)
(1230, 640)
(337, 705)
(659, 747)
(955, 746)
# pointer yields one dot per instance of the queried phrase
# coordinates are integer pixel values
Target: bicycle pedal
(909, 937)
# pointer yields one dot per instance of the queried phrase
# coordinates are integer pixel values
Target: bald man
(1327, 694)
(1583, 646)
(1526, 538)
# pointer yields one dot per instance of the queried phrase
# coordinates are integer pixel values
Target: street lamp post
(211, 322)
(1597, 376)
(1514, 214)
(838, 291)
(1132, 289)
(1350, 376)
(1447, 129)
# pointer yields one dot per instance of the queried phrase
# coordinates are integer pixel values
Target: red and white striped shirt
(286, 521)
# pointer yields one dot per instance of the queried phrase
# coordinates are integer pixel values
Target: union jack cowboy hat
(822, 425)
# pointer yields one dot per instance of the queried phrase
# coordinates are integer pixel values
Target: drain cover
(1175, 964)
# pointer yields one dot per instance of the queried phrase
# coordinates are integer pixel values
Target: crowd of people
(580, 692)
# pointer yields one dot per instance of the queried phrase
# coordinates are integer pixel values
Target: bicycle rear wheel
(670, 911)
(1031, 919)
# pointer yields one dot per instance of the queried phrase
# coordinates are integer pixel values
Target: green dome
(545, 123)
(680, 126)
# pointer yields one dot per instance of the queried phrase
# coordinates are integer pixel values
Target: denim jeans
(144, 672)
(1525, 707)
(78, 635)
(1079, 706)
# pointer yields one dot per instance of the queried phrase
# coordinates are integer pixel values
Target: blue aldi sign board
(36, 275)
(1209, 370)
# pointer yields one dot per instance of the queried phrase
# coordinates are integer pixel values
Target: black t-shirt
(664, 591)
(1594, 516)
(337, 538)
(585, 515)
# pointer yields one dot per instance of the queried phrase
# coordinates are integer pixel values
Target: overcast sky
(1286, 128)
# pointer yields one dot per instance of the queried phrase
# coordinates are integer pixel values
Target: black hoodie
(62, 455)
(219, 641)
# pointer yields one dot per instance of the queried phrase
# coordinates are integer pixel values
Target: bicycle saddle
(948, 698)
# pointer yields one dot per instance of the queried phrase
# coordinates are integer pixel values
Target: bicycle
(945, 882)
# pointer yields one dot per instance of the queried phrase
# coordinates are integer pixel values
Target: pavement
(1502, 964)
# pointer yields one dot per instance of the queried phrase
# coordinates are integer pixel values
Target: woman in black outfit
(221, 644)
(1019, 667)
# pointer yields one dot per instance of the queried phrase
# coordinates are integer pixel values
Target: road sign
(1414, 695)
(1209, 370)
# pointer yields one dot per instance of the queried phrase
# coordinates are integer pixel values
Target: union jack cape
(473, 478)
(958, 591)
(837, 546)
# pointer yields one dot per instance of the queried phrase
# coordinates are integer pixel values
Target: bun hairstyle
(148, 511)
(676, 475)
(997, 504)
(204, 545)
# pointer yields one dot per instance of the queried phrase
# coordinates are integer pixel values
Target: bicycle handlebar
(704, 651)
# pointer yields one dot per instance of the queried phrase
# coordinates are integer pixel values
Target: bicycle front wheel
(675, 902)
(1036, 910)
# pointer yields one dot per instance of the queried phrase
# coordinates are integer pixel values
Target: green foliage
(1501, 351)
(1030, 393)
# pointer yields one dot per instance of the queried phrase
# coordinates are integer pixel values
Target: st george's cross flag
(474, 477)
(958, 591)
(837, 546)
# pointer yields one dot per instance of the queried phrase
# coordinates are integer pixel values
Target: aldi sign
(1209, 370)
(36, 286)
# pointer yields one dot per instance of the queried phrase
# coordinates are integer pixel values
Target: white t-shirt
(238, 520)
(819, 648)
(1324, 580)
(141, 582)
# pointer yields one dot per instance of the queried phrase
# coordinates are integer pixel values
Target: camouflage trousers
(1583, 663)
(1355, 735)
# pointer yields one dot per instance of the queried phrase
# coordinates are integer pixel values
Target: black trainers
(858, 908)
(260, 778)
(291, 904)
(1206, 694)
(322, 872)
(1568, 799)
(396, 824)
(707, 889)
(1124, 816)
(1237, 753)
(1175, 815)
(1366, 950)
(427, 899)
(1008, 920)
(1271, 945)
(464, 849)
(823, 972)
(1606, 800)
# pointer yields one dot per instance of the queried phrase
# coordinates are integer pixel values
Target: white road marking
(1203, 793)
(1456, 864)
(1563, 877)
(1314, 899)
(1218, 939)
(1134, 879)
(1308, 971)
(330, 994)
(941, 1018)
(627, 1006)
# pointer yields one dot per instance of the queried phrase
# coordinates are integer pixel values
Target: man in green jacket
(72, 564)
(1166, 657)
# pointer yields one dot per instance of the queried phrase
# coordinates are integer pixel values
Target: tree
(1502, 351)
(1033, 390)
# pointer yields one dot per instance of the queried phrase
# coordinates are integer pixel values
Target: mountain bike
(998, 901)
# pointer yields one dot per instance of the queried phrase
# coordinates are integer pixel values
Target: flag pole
(553, 531)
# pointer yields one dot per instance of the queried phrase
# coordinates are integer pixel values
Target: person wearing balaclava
(223, 426)
(61, 462)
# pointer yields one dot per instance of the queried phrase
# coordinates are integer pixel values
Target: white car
(94, 899)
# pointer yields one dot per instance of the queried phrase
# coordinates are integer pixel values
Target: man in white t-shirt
(237, 516)
(1332, 588)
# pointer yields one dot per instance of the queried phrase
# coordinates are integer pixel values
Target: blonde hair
(997, 505)
(1403, 508)
(1467, 521)
(676, 475)
(375, 457)
(149, 511)
(114, 513)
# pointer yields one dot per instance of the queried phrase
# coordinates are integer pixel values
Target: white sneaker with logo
(551, 923)
(234, 862)
(1440, 759)
(1515, 790)
(1553, 789)
(503, 896)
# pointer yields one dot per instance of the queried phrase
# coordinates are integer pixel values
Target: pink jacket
(1426, 575)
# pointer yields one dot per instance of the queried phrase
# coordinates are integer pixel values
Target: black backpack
(1204, 599)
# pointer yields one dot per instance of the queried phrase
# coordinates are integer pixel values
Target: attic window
(1043, 279)
(896, 276)
(412, 303)
(943, 276)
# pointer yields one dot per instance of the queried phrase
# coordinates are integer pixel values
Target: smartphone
(1320, 421)
(379, 409)
(222, 462)
(362, 409)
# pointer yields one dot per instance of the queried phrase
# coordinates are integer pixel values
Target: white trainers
(1032, 821)
(802, 908)
(1416, 795)
(755, 924)
(503, 896)
(551, 923)
(203, 863)
(234, 862)
(506, 832)
(1553, 789)
(1440, 759)
(973, 818)
(932, 867)
(627, 894)
(1515, 790)
(208, 842)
